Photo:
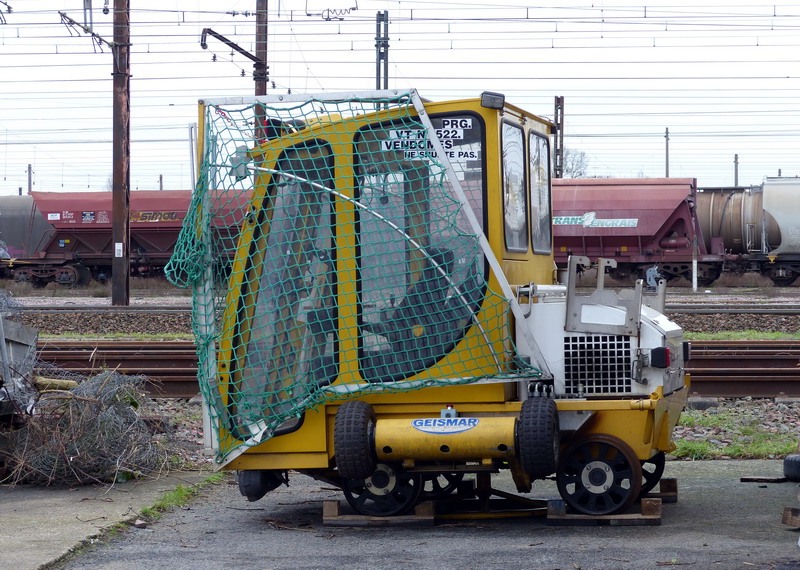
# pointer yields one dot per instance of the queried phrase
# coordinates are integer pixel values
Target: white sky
(723, 79)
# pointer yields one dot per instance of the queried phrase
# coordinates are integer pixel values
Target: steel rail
(105, 309)
(171, 366)
(737, 369)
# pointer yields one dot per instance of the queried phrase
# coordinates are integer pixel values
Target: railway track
(171, 365)
(737, 369)
(732, 369)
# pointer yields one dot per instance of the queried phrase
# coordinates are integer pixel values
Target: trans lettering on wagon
(444, 425)
(590, 220)
(415, 145)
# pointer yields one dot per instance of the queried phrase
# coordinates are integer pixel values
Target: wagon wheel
(599, 475)
(440, 485)
(652, 470)
(783, 281)
(27, 276)
(711, 275)
(67, 276)
(389, 491)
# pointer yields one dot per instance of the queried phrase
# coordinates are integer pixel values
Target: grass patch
(179, 497)
(695, 418)
(695, 450)
(141, 286)
(741, 335)
(770, 448)
(734, 430)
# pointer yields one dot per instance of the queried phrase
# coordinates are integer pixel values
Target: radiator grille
(597, 364)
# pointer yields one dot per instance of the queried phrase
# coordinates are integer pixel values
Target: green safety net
(329, 254)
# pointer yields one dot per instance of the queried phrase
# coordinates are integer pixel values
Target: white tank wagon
(761, 224)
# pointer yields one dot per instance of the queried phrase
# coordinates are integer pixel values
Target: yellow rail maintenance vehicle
(375, 305)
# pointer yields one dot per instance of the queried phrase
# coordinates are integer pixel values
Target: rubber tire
(255, 484)
(791, 467)
(537, 437)
(353, 440)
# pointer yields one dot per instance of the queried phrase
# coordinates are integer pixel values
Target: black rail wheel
(67, 276)
(599, 475)
(440, 485)
(353, 440)
(537, 437)
(387, 492)
(783, 281)
(652, 470)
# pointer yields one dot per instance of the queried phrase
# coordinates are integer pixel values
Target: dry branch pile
(91, 433)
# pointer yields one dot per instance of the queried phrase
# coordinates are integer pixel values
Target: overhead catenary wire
(563, 38)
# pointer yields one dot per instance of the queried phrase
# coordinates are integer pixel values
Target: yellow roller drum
(443, 439)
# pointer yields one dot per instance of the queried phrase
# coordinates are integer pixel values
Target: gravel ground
(125, 323)
(735, 322)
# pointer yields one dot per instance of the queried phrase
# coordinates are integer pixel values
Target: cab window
(419, 274)
(539, 183)
(298, 279)
(515, 204)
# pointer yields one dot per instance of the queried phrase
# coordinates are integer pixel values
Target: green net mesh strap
(329, 254)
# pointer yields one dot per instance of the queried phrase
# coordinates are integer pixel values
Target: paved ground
(40, 524)
(718, 522)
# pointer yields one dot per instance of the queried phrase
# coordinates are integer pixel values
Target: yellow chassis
(645, 424)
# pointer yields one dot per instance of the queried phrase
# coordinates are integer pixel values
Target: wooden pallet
(332, 516)
(667, 491)
(649, 515)
(556, 513)
(791, 516)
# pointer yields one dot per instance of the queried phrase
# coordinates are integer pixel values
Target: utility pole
(260, 67)
(120, 197)
(735, 169)
(30, 179)
(382, 50)
(121, 148)
(666, 136)
(558, 138)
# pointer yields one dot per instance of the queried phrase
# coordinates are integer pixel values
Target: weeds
(741, 335)
(179, 497)
(142, 286)
(736, 432)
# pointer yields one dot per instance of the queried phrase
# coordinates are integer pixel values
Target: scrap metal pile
(60, 428)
